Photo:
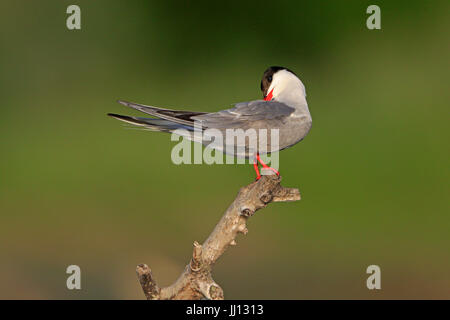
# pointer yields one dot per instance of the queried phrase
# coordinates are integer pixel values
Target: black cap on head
(268, 77)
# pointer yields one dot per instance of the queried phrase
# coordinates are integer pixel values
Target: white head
(281, 84)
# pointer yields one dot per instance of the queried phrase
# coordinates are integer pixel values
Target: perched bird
(283, 110)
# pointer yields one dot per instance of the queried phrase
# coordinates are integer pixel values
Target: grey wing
(253, 114)
(256, 115)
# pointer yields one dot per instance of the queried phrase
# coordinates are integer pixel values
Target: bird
(283, 108)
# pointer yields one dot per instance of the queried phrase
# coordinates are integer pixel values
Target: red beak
(269, 96)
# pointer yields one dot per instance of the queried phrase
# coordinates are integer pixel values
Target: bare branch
(151, 289)
(196, 281)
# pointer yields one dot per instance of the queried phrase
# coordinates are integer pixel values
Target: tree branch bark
(196, 281)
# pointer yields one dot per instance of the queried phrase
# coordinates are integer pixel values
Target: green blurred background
(78, 188)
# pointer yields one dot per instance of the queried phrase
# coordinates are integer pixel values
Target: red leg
(255, 165)
(265, 166)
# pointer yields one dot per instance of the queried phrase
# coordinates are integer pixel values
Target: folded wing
(253, 114)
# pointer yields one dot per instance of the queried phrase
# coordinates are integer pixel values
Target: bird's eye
(270, 78)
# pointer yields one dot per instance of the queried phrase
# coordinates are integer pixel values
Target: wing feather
(246, 113)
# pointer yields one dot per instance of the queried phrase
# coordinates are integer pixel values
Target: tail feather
(152, 124)
(177, 116)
